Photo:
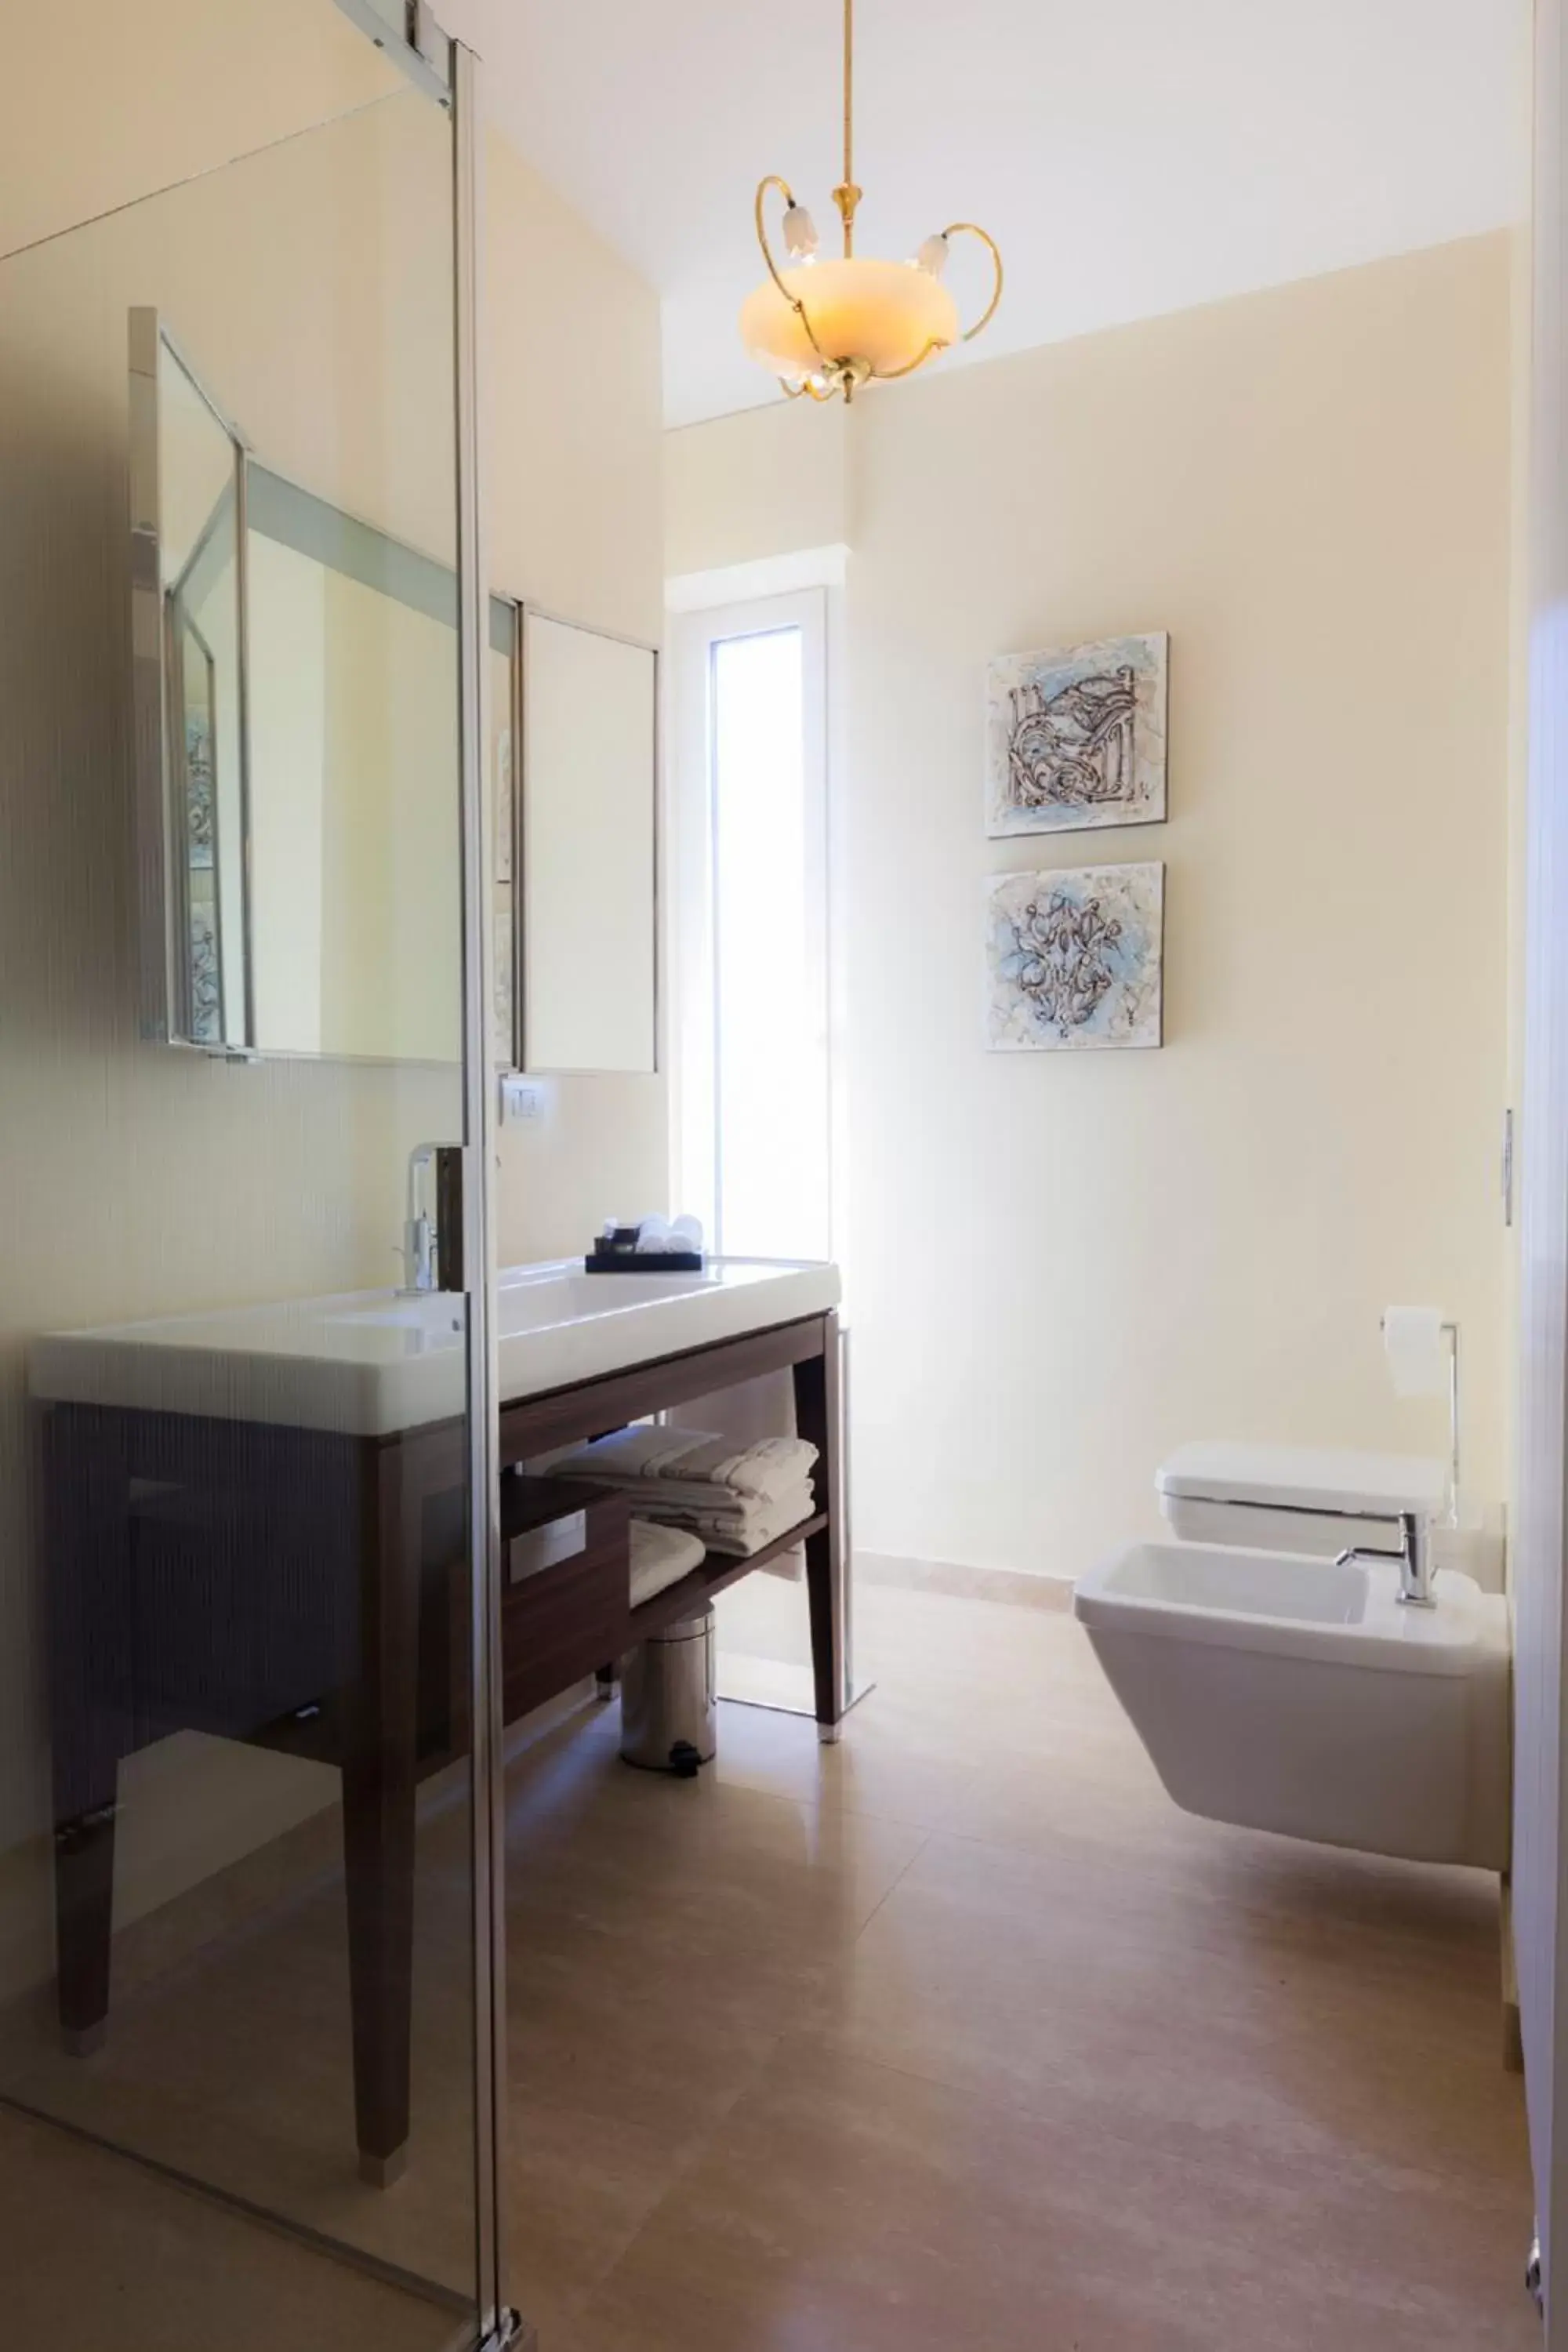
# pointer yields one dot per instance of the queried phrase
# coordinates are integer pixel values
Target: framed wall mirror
(352, 652)
(296, 701)
(187, 509)
(587, 849)
(297, 749)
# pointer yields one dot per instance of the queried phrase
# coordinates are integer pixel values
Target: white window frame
(695, 1131)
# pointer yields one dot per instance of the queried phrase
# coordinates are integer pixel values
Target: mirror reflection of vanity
(298, 768)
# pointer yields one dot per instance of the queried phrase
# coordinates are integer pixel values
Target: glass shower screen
(238, 1486)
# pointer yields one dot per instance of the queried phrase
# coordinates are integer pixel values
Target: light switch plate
(521, 1098)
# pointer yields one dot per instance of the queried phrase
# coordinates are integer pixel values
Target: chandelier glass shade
(827, 327)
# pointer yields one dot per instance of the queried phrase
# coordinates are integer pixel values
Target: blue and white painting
(1074, 959)
(1077, 737)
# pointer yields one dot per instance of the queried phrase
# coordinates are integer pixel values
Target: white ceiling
(1131, 156)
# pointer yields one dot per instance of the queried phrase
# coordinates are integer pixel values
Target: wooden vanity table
(292, 1586)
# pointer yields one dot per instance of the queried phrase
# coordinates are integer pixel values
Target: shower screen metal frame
(452, 74)
(499, 2322)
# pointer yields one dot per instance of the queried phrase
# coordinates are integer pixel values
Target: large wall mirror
(296, 695)
(587, 850)
(354, 779)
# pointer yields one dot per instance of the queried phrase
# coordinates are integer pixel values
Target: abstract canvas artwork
(1077, 737)
(1074, 959)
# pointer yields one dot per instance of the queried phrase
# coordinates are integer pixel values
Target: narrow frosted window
(769, 1038)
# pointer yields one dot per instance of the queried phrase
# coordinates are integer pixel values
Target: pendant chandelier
(827, 327)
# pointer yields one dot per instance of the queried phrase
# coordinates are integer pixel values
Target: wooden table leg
(816, 1408)
(88, 1568)
(84, 1926)
(378, 1808)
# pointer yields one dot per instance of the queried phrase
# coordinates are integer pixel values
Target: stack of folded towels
(736, 1497)
(661, 1557)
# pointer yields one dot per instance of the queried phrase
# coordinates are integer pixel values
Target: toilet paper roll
(1417, 1352)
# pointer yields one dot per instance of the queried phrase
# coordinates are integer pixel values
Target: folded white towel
(741, 1529)
(737, 1516)
(763, 1471)
(661, 1556)
(658, 1494)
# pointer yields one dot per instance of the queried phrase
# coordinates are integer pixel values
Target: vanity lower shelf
(564, 1620)
(719, 1571)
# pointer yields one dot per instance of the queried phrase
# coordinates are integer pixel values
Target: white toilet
(1294, 1497)
(1290, 1498)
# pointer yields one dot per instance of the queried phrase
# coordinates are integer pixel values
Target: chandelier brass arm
(795, 304)
(956, 228)
(793, 300)
(891, 375)
(972, 228)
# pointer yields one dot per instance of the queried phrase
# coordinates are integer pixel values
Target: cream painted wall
(311, 285)
(101, 104)
(759, 484)
(1060, 1267)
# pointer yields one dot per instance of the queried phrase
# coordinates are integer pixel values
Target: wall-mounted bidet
(1291, 1693)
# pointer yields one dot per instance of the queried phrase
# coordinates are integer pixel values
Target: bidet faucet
(1413, 1555)
(419, 1227)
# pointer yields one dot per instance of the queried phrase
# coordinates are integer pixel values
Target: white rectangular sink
(369, 1363)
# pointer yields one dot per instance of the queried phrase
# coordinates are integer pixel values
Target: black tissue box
(603, 1261)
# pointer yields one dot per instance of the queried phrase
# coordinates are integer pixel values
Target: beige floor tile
(1255, 2068)
(660, 2042)
(96, 2251)
(958, 2032)
(662, 1935)
(580, 2186)
(848, 2204)
(1340, 1933)
(707, 1864)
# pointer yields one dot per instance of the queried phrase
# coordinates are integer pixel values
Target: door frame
(1540, 1626)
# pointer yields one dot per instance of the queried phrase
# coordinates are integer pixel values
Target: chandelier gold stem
(847, 196)
(848, 91)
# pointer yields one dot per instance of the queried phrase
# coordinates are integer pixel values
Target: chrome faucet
(419, 1228)
(1413, 1555)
